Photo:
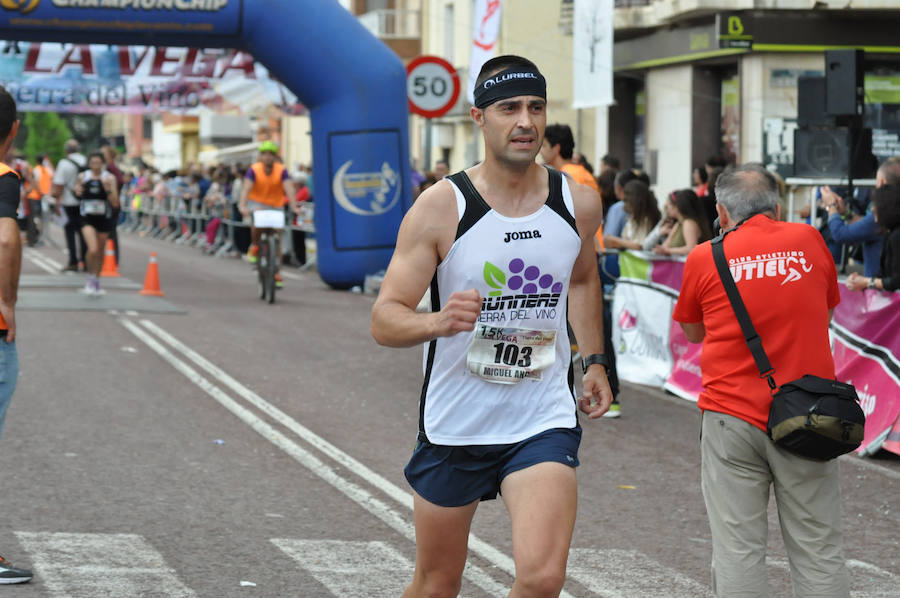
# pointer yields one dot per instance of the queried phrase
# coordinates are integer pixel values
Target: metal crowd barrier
(185, 221)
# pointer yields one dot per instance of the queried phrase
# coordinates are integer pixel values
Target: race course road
(208, 444)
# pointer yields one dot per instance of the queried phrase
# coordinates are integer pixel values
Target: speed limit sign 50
(432, 86)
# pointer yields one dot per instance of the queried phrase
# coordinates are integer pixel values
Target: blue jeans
(9, 373)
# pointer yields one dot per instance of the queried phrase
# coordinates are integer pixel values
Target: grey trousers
(739, 463)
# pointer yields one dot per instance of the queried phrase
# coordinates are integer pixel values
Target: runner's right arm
(426, 235)
(10, 251)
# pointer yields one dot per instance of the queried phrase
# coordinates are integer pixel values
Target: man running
(507, 247)
(10, 264)
(99, 196)
(266, 184)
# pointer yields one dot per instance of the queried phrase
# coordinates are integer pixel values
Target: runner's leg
(93, 257)
(442, 538)
(542, 500)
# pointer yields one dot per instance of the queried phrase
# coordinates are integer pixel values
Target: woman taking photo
(642, 215)
(98, 196)
(692, 225)
(886, 208)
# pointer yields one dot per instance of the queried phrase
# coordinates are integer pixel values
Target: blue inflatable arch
(353, 85)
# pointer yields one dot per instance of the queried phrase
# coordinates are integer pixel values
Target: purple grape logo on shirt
(519, 287)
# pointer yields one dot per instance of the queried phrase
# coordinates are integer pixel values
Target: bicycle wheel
(272, 266)
(262, 261)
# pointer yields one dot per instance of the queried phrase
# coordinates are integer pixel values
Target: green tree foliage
(47, 134)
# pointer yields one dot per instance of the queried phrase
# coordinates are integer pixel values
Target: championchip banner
(213, 17)
(651, 349)
(100, 78)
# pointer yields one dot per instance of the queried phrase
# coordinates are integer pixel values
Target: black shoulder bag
(812, 417)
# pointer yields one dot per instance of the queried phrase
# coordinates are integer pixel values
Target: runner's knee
(540, 581)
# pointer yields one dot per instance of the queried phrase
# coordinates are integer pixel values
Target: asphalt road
(246, 449)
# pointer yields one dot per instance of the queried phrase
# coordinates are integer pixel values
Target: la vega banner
(652, 349)
(107, 78)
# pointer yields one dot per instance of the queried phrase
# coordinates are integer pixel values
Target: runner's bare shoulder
(435, 213)
(588, 209)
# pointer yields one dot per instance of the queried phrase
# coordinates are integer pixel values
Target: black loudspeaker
(811, 103)
(828, 153)
(844, 82)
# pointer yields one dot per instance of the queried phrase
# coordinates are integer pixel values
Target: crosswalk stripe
(351, 569)
(630, 574)
(91, 565)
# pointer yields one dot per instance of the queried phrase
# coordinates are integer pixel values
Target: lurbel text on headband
(509, 84)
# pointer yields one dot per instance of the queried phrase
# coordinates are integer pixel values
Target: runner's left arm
(586, 302)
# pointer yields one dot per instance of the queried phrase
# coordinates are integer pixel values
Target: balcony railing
(391, 23)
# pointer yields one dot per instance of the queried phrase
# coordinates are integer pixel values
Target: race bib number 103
(510, 355)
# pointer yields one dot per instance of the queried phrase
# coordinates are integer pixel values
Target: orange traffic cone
(110, 268)
(151, 280)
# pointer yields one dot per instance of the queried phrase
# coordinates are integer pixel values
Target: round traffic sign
(432, 86)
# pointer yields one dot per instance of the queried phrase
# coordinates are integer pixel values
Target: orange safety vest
(44, 179)
(4, 169)
(268, 188)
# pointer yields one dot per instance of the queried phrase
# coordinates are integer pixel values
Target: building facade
(697, 78)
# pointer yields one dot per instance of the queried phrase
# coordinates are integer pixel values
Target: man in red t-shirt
(788, 282)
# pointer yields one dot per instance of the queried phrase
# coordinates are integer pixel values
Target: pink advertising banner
(866, 352)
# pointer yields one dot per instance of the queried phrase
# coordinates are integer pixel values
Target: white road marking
(404, 498)
(354, 492)
(39, 261)
(291, 276)
(866, 580)
(630, 574)
(351, 569)
(91, 565)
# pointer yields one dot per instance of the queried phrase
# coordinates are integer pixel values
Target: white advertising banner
(641, 316)
(592, 53)
(485, 29)
(103, 78)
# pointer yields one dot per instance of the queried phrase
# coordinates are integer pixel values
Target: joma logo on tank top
(522, 235)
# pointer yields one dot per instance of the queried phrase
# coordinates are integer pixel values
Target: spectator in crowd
(691, 228)
(615, 217)
(557, 151)
(608, 162)
(606, 182)
(429, 180)
(64, 180)
(845, 227)
(714, 167)
(699, 180)
(643, 214)
(739, 463)
(886, 200)
(109, 156)
(416, 178)
(441, 169)
(578, 158)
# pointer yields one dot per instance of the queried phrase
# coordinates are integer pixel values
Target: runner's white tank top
(511, 377)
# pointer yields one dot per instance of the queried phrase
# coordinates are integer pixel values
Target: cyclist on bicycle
(265, 186)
